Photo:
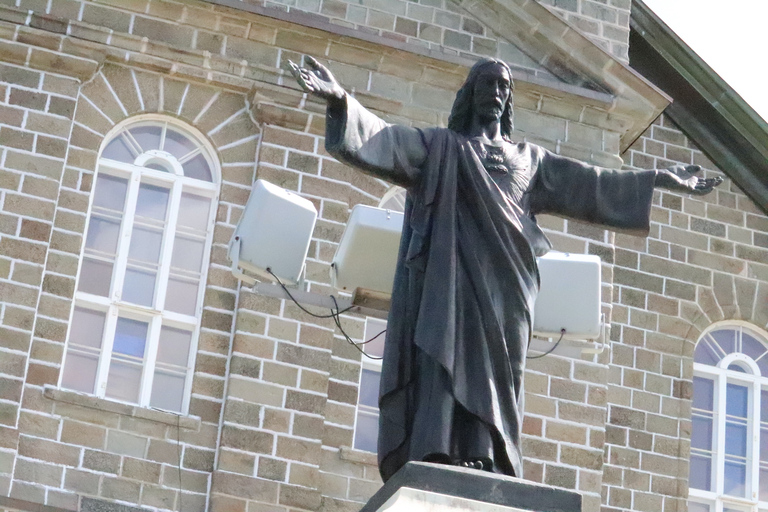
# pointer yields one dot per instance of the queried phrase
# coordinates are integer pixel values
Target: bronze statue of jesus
(466, 280)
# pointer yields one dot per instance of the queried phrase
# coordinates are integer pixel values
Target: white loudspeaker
(569, 297)
(367, 253)
(273, 233)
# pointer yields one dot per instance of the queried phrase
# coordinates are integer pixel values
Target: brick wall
(274, 391)
(66, 445)
(36, 115)
(446, 27)
(705, 261)
(606, 23)
(292, 386)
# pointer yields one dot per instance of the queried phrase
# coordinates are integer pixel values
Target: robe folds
(466, 280)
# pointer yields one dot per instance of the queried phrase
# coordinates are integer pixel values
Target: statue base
(422, 486)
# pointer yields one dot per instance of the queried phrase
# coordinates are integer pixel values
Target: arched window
(729, 436)
(138, 303)
(394, 199)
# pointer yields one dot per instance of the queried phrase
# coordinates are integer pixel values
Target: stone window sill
(104, 404)
(352, 455)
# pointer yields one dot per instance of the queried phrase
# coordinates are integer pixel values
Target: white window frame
(394, 199)
(716, 499)
(156, 317)
(373, 326)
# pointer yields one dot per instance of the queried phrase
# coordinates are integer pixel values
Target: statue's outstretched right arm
(359, 138)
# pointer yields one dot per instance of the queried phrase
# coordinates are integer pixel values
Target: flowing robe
(466, 279)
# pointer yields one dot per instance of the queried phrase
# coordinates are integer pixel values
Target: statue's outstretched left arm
(612, 198)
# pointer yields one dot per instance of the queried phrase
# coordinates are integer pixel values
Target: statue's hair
(461, 113)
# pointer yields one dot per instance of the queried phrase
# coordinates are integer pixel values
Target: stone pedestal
(424, 487)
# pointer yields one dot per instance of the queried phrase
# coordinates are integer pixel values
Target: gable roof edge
(732, 135)
(559, 46)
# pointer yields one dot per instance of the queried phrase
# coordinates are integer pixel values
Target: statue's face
(491, 92)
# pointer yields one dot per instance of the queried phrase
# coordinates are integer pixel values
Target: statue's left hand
(683, 178)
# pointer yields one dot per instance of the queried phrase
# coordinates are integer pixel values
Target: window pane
(139, 286)
(118, 150)
(764, 444)
(726, 338)
(367, 431)
(701, 472)
(736, 367)
(735, 478)
(174, 346)
(148, 137)
(762, 365)
(152, 202)
(124, 381)
(704, 354)
(375, 329)
(697, 507)
(95, 277)
(703, 390)
(764, 405)
(369, 388)
(159, 167)
(87, 327)
(755, 349)
(80, 371)
(167, 390)
(701, 435)
(737, 400)
(110, 192)
(188, 254)
(102, 235)
(736, 439)
(145, 245)
(177, 144)
(763, 486)
(194, 211)
(130, 337)
(198, 168)
(181, 296)
(751, 347)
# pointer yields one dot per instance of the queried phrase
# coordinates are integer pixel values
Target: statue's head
(483, 94)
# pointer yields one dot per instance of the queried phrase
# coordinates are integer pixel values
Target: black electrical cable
(562, 333)
(285, 289)
(337, 320)
(335, 314)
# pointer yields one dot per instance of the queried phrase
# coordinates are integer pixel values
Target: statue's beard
(489, 113)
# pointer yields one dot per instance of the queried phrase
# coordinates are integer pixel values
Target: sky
(729, 35)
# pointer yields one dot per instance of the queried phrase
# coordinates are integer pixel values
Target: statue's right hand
(317, 80)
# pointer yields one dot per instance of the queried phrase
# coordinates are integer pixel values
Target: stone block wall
(274, 392)
(705, 261)
(606, 23)
(37, 109)
(292, 387)
(446, 27)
